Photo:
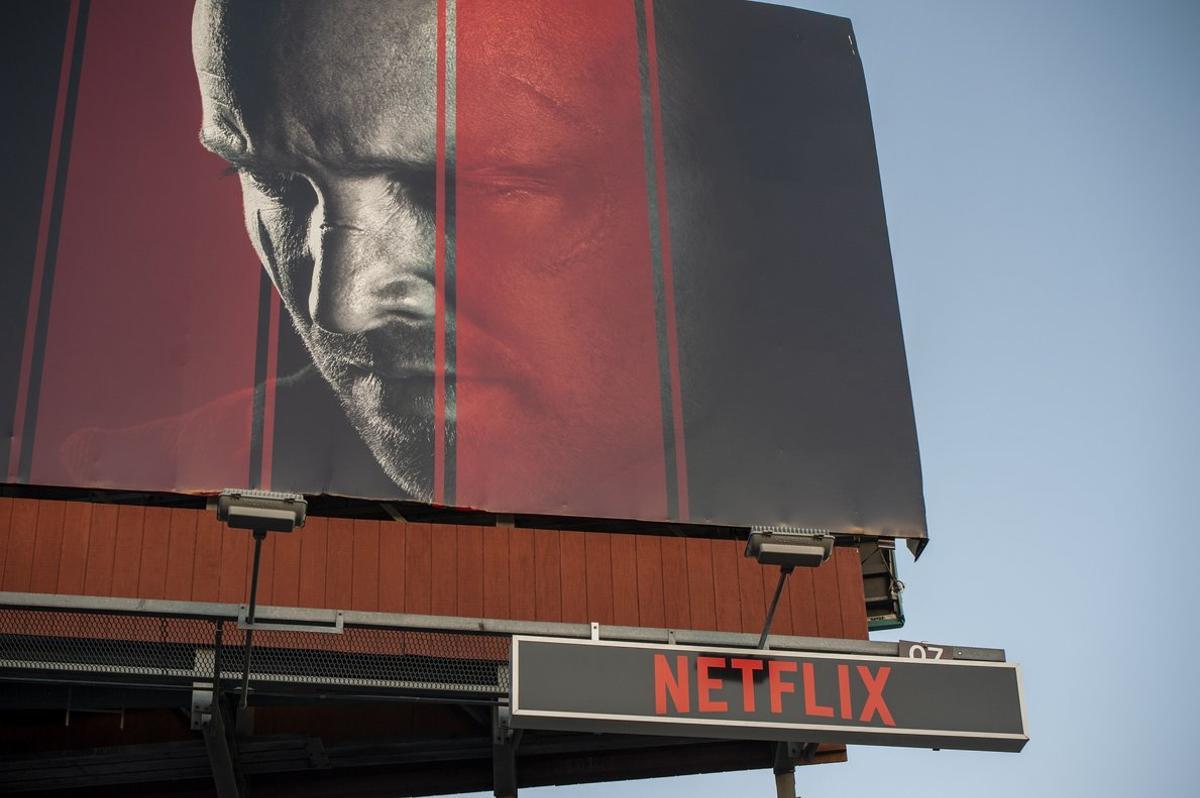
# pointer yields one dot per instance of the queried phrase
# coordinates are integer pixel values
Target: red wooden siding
(497, 572)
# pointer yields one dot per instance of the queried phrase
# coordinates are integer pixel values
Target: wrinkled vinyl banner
(619, 259)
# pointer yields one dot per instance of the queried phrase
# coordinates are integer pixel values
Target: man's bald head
(321, 78)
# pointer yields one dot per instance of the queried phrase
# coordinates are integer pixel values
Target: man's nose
(372, 260)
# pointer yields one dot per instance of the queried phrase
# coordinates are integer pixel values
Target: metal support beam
(259, 536)
(784, 570)
(504, 753)
(216, 740)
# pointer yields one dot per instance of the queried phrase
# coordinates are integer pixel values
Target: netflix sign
(685, 691)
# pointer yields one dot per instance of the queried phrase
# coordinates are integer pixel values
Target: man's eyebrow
(219, 145)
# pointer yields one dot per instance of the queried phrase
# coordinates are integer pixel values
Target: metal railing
(175, 644)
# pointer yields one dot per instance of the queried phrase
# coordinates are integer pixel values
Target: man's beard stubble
(387, 392)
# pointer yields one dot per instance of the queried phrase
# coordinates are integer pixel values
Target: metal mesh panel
(179, 651)
(373, 657)
(93, 643)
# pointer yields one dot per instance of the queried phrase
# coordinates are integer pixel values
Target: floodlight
(789, 548)
(261, 511)
(264, 510)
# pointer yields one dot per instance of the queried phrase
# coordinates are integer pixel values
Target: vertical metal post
(784, 570)
(259, 536)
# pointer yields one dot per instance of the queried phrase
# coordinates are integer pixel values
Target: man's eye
(276, 185)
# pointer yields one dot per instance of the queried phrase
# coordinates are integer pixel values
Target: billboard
(621, 259)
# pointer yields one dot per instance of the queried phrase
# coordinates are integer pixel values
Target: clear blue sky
(1041, 173)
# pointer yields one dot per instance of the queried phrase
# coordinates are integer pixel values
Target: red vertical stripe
(39, 258)
(439, 264)
(668, 274)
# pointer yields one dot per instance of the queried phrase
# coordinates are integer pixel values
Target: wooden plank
(850, 590)
(287, 569)
(701, 591)
(181, 555)
(470, 571)
(675, 583)
(314, 537)
(22, 536)
(573, 576)
(365, 593)
(418, 578)
(206, 567)
(127, 557)
(651, 611)
(521, 597)
(392, 535)
(599, 577)
(102, 548)
(802, 598)
(72, 567)
(495, 572)
(47, 547)
(339, 564)
(6, 508)
(547, 577)
(156, 543)
(726, 554)
(235, 559)
(623, 549)
(754, 609)
(828, 602)
(443, 549)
